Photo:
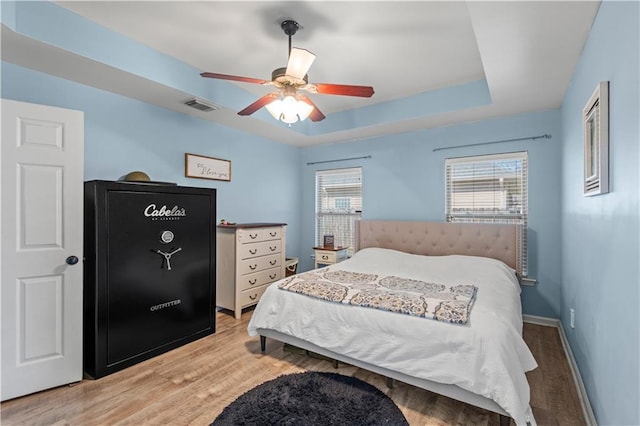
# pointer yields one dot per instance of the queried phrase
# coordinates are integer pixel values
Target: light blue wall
(404, 179)
(600, 235)
(123, 134)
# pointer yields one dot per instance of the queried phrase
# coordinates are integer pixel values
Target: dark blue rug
(312, 398)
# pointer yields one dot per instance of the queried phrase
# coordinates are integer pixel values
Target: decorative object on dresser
(250, 257)
(149, 271)
(326, 256)
(312, 398)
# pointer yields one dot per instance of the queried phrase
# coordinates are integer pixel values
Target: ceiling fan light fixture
(287, 105)
(300, 61)
(289, 110)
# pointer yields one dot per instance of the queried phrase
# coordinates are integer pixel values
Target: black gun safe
(149, 272)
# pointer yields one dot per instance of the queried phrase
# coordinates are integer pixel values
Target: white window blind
(338, 205)
(489, 189)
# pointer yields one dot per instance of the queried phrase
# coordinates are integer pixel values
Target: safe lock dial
(166, 237)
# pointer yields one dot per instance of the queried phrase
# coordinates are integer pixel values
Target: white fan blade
(300, 61)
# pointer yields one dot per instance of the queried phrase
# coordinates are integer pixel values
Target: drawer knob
(272, 248)
(254, 251)
(273, 276)
(273, 234)
(253, 281)
(273, 262)
(253, 267)
(254, 297)
(253, 236)
(325, 257)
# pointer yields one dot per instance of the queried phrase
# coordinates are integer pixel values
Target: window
(343, 203)
(338, 205)
(489, 189)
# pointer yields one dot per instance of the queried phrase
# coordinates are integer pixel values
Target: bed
(481, 362)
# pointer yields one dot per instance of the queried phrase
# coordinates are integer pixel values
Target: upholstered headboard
(497, 241)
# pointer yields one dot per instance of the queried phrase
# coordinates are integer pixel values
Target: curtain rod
(339, 159)
(546, 136)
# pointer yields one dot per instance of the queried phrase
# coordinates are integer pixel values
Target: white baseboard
(577, 379)
(549, 322)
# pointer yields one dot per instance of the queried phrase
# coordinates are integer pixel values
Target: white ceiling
(526, 51)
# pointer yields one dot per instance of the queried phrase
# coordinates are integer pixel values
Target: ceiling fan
(287, 104)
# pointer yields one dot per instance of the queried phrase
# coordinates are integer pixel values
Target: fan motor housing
(280, 76)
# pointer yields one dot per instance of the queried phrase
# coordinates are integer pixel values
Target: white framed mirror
(595, 117)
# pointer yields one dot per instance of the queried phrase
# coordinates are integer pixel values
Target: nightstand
(326, 256)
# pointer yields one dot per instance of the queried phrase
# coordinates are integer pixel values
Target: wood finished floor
(191, 385)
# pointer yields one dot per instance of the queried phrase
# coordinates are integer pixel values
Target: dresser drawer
(259, 278)
(247, 251)
(254, 235)
(251, 296)
(257, 264)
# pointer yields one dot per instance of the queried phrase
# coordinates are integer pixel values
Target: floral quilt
(396, 294)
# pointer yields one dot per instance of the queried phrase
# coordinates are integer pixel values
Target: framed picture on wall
(595, 117)
(201, 167)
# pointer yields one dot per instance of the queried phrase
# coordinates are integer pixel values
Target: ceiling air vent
(202, 105)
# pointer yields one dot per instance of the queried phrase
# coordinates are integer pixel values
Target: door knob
(72, 260)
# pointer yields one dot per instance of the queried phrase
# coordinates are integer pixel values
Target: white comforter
(486, 356)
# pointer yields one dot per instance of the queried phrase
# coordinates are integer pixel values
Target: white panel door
(41, 165)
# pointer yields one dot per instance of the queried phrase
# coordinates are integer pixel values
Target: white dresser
(249, 257)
